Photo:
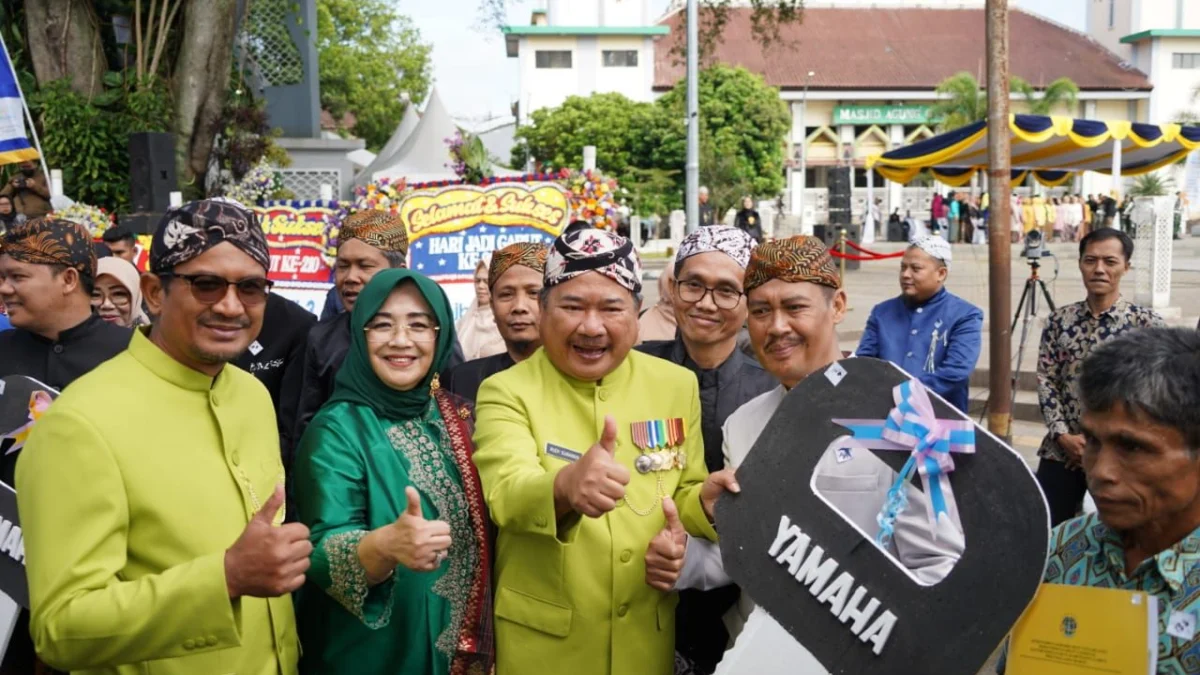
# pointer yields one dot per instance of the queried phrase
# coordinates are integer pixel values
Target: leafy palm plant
(1060, 93)
(961, 102)
(1151, 185)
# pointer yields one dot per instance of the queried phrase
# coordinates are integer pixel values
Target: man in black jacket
(710, 310)
(47, 270)
(515, 282)
(276, 358)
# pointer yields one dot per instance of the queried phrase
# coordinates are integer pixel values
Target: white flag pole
(28, 117)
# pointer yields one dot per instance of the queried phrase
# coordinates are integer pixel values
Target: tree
(1060, 93)
(1151, 185)
(64, 42)
(636, 143)
(202, 81)
(962, 101)
(743, 123)
(622, 131)
(370, 58)
(191, 49)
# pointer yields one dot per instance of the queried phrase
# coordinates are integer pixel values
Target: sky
(478, 82)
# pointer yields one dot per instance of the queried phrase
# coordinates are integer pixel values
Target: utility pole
(999, 246)
(692, 167)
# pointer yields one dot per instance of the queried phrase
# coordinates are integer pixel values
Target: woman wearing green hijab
(401, 563)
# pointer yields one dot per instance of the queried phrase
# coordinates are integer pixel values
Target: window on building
(1112, 13)
(625, 58)
(1185, 61)
(553, 59)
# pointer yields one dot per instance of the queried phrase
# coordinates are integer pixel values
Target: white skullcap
(935, 246)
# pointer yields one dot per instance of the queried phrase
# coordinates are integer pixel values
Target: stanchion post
(842, 260)
(842, 265)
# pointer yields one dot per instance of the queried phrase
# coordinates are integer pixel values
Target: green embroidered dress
(353, 465)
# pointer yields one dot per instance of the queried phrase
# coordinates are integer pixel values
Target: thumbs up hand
(664, 557)
(267, 561)
(596, 482)
(418, 544)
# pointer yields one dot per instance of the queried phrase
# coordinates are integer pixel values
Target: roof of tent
(408, 123)
(423, 156)
(1053, 148)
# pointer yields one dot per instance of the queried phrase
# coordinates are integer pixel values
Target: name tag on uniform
(562, 453)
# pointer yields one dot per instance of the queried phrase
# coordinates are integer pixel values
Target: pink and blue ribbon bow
(913, 427)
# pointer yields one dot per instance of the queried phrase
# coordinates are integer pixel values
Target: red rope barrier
(860, 249)
(850, 256)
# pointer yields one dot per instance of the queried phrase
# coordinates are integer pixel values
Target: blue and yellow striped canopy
(1053, 149)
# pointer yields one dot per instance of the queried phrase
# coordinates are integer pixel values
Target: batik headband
(52, 241)
(186, 232)
(731, 241)
(583, 249)
(792, 260)
(382, 229)
(528, 253)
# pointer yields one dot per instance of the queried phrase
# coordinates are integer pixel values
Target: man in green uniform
(576, 515)
(155, 546)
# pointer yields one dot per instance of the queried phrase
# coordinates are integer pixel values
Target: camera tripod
(1028, 302)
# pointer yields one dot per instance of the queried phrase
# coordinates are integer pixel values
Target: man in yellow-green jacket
(592, 463)
(150, 492)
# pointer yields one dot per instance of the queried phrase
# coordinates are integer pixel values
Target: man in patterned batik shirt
(1071, 333)
(1140, 393)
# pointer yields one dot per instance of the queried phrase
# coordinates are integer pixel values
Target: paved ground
(877, 281)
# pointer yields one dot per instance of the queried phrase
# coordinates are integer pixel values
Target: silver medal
(643, 464)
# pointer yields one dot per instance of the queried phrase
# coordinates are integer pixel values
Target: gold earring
(436, 384)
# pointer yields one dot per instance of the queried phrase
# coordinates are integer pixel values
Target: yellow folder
(1079, 630)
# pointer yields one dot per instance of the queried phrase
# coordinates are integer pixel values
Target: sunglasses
(211, 289)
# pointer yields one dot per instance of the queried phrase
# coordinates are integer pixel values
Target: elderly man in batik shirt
(515, 282)
(1071, 333)
(590, 454)
(157, 547)
(710, 309)
(1141, 458)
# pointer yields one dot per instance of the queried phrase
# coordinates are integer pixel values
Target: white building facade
(859, 76)
(583, 47)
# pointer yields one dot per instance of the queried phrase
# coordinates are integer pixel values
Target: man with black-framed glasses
(163, 542)
(710, 310)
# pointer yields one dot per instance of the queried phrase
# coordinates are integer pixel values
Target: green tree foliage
(962, 99)
(370, 56)
(1060, 93)
(744, 126)
(961, 102)
(89, 138)
(1151, 185)
(742, 120)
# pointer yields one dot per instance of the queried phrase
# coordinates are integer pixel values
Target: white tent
(408, 123)
(424, 156)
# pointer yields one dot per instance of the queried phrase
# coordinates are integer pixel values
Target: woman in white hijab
(477, 332)
(658, 322)
(117, 294)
